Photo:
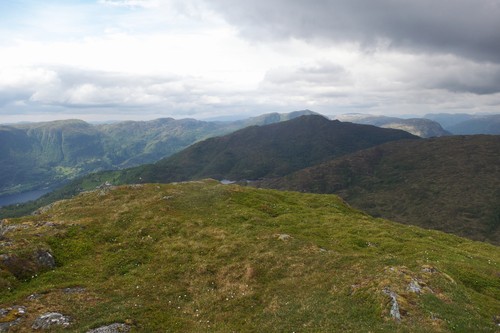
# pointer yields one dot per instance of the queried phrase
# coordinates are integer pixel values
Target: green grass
(203, 257)
(449, 183)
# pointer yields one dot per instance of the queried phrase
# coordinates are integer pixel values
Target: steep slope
(200, 256)
(36, 155)
(15, 147)
(450, 183)
(422, 127)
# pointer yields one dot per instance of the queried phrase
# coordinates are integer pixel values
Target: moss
(209, 258)
(11, 315)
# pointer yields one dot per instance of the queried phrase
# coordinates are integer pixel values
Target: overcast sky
(145, 59)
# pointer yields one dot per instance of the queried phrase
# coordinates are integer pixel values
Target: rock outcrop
(113, 328)
(51, 319)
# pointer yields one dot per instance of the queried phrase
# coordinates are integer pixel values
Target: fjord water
(16, 198)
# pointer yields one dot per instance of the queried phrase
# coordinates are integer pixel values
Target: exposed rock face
(49, 320)
(11, 316)
(23, 267)
(395, 305)
(4, 228)
(45, 259)
(113, 328)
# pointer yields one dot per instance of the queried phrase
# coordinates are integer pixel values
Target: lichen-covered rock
(33, 296)
(51, 319)
(429, 269)
(414, 287)
(45, 259)
(113, 328)
(43, 209)
(5, 228)
(11, 316)
(394, 304)
(284, 237)
(25, 266)
(73, 290)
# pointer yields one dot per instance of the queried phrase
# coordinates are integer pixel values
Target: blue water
(11, 199)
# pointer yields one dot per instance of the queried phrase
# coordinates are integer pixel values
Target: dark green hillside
(205, 257)
(450, 183)
(42, 154)
(64, 142)
(131, 143)
(37, 155)
(268, 151)
(14, 147)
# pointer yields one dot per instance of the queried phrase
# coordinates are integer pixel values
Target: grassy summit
(206, 257)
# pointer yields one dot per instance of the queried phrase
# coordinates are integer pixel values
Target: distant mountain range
(449, 183)
(43, 155)
(432, 125)
(36, 155)
(468, 124)
(250, 153)
(422, 127)
(479, 125)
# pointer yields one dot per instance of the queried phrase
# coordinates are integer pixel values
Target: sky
(100, 60)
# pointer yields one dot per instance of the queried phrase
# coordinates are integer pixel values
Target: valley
(38, 155)
(17, 198)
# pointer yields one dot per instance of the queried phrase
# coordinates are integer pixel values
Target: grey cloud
(485, 88)
(455, 75)
(467, 28)
(323, 73)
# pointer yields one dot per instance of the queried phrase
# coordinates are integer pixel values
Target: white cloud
(182, 58)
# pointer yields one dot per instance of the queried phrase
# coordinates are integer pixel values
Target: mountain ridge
(263, 151)
(39, 155)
